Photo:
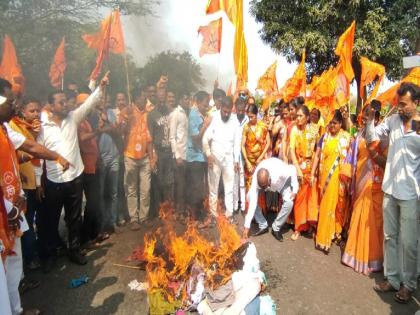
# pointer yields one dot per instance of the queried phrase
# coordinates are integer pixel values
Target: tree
(37, 26)
(385, 30)
(183, 71)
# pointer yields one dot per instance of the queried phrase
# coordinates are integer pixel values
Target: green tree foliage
(37, 26)
(385, 30)
(183, 71)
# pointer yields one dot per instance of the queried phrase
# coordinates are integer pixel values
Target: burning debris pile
(187, 272)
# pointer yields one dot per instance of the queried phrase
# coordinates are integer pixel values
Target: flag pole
(127, 78)
(62, 82)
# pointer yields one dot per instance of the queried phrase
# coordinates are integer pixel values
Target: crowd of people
(112, 161)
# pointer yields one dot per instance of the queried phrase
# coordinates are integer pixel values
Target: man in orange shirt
(138, 156)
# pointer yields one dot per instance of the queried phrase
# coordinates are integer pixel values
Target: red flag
(10, 68)
(58, 66)
(109, 39)
(212, 37)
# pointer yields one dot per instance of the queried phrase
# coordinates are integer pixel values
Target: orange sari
(255, 142)
(333, 210)
(364, 248)
(305, 208)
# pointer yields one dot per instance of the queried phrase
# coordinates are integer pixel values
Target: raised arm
(93, 100)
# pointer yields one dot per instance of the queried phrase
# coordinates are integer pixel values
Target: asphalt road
(301, 280)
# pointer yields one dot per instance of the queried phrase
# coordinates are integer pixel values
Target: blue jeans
(108, 185)
(284, 212)
(401, 226)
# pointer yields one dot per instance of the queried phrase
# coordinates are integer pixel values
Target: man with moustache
(221, 144)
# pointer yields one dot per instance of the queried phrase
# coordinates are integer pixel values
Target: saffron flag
(212, 37)
(58, 66)
(240, 51)
(10, 68)
(390, 95)
(229, 6)
(296, 85)
(109, 39)
(344, 50)
(268, 81)
(323, 90)
(370, 71)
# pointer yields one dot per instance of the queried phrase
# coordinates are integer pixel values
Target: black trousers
(57, 195)
(180, 189)
(196, 188)
(29, 239)
(92, 213)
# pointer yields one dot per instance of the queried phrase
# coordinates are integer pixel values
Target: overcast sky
(175, 27)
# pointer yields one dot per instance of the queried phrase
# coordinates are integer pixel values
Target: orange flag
(390, 95)
(342, 89)
(370, 71)
(10, 68)
(212, 37)
(268, 81)
(229, 6)
(240, 51)
(58, 66)
(344, 50)
(109, 39)
(296, 85)
(323, 91)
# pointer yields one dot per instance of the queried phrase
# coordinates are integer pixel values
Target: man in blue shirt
(197, 162)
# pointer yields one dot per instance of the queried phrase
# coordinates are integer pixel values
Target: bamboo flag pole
(127, 78)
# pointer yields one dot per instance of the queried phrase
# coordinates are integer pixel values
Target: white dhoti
(14, 271)
(4, 293)
(239, 189)
(224, 168)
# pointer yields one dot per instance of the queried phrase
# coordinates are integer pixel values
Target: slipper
(295, 236)
(403, 296)
(384, 287)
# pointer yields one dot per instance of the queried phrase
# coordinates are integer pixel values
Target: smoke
(174, 27)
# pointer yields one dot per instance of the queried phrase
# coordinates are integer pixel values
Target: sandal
(384, 287)
(403, 296)
(295, 236)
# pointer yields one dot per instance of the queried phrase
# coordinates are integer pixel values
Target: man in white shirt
(178, 136)
(271, 175)
(59, 133)
(221, 144)
(239, 182)
(12, 200)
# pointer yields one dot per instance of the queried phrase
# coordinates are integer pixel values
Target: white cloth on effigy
(246, 286)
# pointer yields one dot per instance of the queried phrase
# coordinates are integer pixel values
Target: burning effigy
(192, 271)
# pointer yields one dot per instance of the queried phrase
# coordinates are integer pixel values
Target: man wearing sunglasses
(271, 175)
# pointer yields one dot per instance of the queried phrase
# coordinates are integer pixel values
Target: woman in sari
(330, 156)
(255, 143)
(280, 130)
(303, 138)
(366, 163)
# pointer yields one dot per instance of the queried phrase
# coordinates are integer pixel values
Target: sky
(175, 26)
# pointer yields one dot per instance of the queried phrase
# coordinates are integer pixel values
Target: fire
(170, 256)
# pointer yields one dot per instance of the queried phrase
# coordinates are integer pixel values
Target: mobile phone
(376, 105)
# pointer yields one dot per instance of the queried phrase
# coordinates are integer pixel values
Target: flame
(170, 255)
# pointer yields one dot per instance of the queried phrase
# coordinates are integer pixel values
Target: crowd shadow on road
(55, 293)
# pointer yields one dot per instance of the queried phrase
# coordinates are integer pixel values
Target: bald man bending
(271, 175)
